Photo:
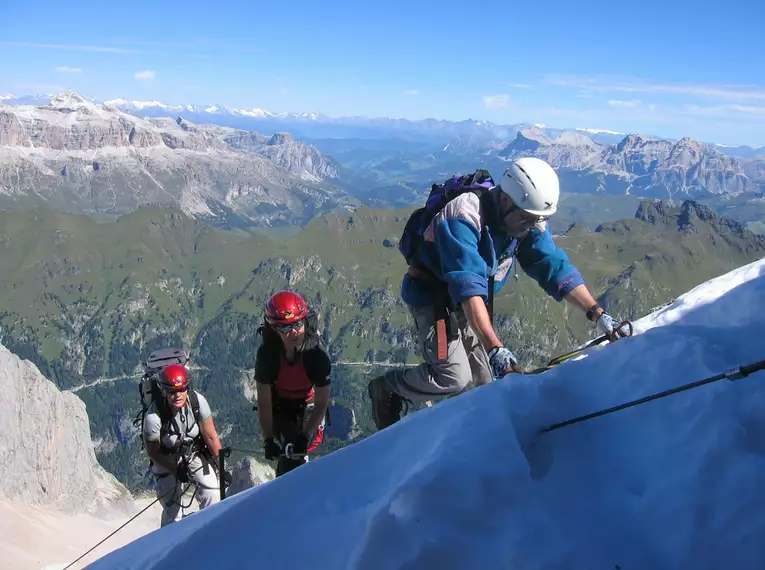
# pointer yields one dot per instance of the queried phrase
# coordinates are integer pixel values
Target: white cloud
(620, 103)
(412, 92)
(496, 101)
(67, 69)
(519, 85)
(725, 110)
(144, 75)
(642, 85)
(77, 48)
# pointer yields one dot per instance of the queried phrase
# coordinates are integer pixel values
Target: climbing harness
(733, 374)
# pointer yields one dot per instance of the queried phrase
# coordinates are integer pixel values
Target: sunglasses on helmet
(296, 326)
(526, 216)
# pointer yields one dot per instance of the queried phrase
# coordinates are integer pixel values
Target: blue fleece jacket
(463, 251)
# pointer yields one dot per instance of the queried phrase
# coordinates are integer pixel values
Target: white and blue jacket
(462, 251)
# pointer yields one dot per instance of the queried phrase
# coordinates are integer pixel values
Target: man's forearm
(169, 462)
(213, 444)
(266, 420)
(581, 298)
(314, 420)
(265, 411)
(478, 317)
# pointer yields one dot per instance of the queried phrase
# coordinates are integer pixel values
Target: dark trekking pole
(222, 454)
(734, 374)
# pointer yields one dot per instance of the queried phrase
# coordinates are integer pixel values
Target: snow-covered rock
(472, 482)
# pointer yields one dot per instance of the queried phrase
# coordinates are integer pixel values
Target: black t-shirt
(311, 369)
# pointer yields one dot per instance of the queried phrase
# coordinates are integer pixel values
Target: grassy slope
(90, 299)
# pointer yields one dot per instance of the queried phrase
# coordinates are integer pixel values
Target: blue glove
(610, 327)
(502, 362)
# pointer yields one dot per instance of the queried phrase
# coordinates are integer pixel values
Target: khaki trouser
(466, 360)
(207, 489)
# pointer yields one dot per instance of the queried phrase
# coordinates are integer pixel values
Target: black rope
(131, 519)
(262, 454)
(734, 374)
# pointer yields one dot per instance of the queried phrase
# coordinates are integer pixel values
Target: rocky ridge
(90, 158)
(46, 445)
(646, 165)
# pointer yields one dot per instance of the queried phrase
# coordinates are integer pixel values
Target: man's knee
(452, 376)
(208, 497)
(170, 515)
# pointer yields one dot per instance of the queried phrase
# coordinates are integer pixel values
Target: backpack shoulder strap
(194, 399)
(488, 209)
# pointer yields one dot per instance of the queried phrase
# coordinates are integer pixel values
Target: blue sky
(667, 68)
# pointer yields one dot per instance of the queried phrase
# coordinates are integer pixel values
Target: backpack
(440, 195)
(150, 392)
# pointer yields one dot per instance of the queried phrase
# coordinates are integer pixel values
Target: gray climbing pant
(202, 474)
(466, 360)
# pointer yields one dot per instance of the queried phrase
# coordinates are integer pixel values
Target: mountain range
(85, 157)
(107, 159)
(319, 125)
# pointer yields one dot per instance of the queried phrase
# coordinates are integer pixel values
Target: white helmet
(533, 185)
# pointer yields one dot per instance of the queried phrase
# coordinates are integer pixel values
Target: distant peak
(68, 96)
(654, 211)
(70, 99)
(280, 138)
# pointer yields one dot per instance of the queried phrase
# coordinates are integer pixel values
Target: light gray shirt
(182, 424)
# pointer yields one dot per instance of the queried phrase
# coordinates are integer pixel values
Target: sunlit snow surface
(677, 483)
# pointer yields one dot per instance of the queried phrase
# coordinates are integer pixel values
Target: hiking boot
(386, 404)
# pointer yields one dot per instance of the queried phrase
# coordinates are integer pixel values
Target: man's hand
(271, 449)
(182, 471)
(300, 445)
(502, 362)
(610, 327)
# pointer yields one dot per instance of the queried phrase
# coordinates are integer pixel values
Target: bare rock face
(249, 473)
(299, 159)
(48, 455)
(647, 166)
(84, 157)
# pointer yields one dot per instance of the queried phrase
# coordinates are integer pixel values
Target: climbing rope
(594, 342)
(287, 452)
(733, 374)
(131, 519)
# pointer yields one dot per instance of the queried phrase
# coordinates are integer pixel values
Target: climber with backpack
(180, 438)
(292, 374)
(460, 249)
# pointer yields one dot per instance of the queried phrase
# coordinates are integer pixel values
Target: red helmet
(285, 307)
(174, 378)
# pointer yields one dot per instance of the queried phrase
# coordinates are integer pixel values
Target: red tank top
(293, 382)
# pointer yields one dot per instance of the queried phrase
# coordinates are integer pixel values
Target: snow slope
(470, 483)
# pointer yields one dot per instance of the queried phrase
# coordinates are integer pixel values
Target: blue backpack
(440, 195)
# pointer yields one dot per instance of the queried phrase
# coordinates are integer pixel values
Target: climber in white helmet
(458, 244)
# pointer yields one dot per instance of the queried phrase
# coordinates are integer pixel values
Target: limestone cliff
(47, 452)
